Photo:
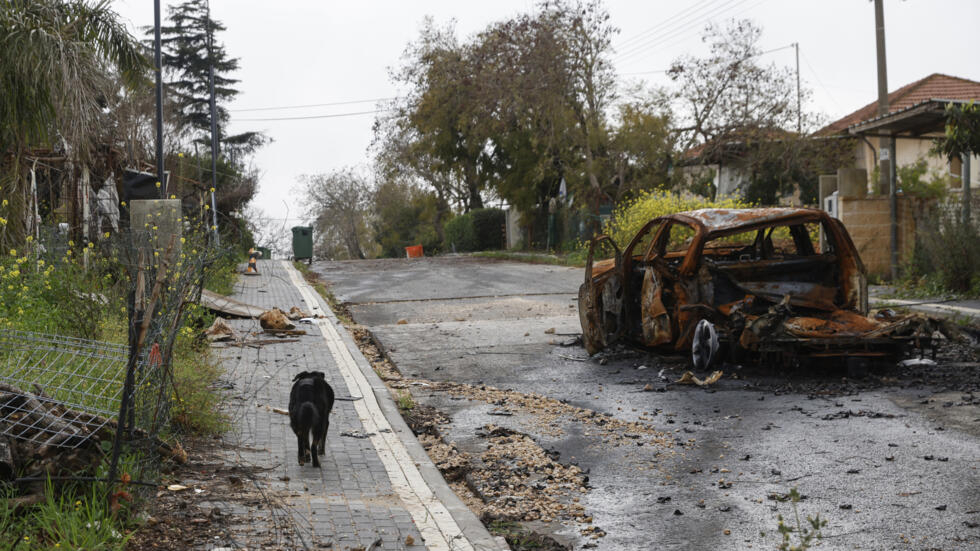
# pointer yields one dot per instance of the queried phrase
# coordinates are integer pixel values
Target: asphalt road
(890, 462)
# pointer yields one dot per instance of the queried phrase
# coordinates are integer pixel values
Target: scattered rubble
(296, 314)
(688, 378)
(520, 481)
(276, 320)
(220, 331)
(546, 411)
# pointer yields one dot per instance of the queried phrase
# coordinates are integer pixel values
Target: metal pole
(799, 113)
(214, 132)
(157, 61)
(965, 179)
(886, 166)
(882, 69)
(893, 207)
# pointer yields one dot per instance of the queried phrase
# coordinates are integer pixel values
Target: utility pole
(886, 164)
(799, 112)
(214, 132)
(965, 182)
(157, 61)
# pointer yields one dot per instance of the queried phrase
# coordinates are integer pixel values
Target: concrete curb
(469, 524)
(933, 308)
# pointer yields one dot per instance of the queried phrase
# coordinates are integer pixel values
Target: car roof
(716, 220)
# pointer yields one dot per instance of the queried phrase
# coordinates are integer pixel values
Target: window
(645, 240)
(680, 238)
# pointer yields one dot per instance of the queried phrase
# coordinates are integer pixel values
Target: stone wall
(868, 220)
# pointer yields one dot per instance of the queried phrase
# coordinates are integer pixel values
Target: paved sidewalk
(934, 306)
(375, 481)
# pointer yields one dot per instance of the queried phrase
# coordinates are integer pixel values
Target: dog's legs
(315, 450)
(302, 443)
(322, 442)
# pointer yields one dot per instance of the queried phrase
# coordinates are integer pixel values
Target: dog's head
(309, 375)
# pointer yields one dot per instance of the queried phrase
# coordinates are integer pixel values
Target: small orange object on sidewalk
(415, 251)
(253, 256)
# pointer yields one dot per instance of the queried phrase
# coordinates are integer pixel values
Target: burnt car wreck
(781, 286)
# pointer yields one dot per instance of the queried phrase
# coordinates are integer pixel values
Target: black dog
(310, 402)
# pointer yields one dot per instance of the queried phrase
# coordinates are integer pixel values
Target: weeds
(806, 533)
(945, 261)
(196, 400)
(74, 517)
(405, 401)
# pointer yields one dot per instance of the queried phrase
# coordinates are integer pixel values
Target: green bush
(946, 259)
(630, 216)
(488, 227)
(477, 230)
(459, 234)
(51, 292)
(912, 181)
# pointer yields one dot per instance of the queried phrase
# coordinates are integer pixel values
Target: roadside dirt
(197, 516)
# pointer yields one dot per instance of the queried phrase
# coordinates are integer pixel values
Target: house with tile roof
(915, 118)
(884, 231)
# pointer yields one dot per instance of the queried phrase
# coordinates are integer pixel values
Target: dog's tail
(308, 416)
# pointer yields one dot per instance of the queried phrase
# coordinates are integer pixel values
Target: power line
(680, 30)
(643, 35)
(820, 82)
(683, 32)
(281, 107)
(335, 115)
(718, 63)
(693, 19)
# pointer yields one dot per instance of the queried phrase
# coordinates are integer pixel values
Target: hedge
(477, 230)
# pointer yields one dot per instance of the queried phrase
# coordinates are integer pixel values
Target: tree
(641, 148)
(339, 203)
(549, 86)
(728, 92)
(962, 137)
(59, 62)
(187, 56)
(524, 108)
(739, 112)
(432, 130)
(585, 30)
(404, 214)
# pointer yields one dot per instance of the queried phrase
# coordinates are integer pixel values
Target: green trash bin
(266, 252)
(302, 243)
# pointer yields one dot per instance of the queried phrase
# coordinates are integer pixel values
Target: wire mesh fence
(58, 391)
(82, 407)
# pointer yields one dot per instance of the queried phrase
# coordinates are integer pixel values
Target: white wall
(908, 152)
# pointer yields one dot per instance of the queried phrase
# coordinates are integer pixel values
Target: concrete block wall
(868, 220)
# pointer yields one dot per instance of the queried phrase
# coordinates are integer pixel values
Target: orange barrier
(415, 251)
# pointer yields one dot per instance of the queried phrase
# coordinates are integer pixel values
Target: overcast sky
(301, 52)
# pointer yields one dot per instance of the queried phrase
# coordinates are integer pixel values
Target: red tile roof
(934, 86)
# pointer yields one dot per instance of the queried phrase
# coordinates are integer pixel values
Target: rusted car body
(780, 284)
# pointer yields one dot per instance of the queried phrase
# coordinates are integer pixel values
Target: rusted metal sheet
(798, 299)
(654, 316)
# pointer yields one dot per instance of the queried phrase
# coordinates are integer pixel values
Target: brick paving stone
(349, 502)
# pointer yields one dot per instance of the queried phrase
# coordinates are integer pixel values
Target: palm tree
(58, 63)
